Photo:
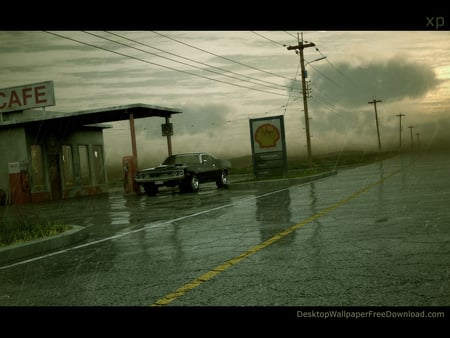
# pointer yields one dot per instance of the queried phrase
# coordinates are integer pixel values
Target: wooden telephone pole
(374, 102)
(400, 130)
(299, 50)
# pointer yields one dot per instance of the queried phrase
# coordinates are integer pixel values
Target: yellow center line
(228, 264)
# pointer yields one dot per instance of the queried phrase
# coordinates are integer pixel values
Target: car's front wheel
(222, 180)
(191, 184)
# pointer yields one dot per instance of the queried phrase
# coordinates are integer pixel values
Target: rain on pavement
(377, 234)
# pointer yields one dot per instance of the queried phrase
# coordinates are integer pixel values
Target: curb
(22, 250)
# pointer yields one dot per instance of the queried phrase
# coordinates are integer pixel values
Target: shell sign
(267, 134)
(268, 146)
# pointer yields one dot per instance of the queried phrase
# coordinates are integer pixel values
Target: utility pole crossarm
(301, 45)
(374, 101)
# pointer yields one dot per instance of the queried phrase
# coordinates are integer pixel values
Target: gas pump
(19, 183)
(129, 171)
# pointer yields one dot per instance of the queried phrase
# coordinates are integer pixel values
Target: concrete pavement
(78, 233)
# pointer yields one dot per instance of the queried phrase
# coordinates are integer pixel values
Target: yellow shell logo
(267, 135)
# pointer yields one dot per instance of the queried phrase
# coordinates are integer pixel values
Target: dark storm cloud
(434, 134)
(391, 80)
(343, 121)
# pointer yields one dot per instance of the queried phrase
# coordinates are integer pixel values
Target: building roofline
(94, 116)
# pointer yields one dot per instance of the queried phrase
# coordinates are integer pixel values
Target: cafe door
(55, 176)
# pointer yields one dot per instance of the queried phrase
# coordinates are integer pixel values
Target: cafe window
(99, 168)
(85, 177)
(67, 164)
(37, 166)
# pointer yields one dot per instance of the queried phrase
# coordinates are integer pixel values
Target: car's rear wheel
(222, 181)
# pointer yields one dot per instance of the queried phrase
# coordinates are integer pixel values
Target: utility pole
(418, 144)
(169, 139)
(410, 129)
(299, 50)
(374, 102)
(136, 187)
(400, 130)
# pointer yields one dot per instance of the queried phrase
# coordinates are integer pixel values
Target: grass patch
(25, 230)
(320, 163)
(298, 166)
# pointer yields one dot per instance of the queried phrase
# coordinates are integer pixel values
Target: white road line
(147, 226)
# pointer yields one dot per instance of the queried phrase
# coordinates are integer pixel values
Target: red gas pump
(19, 183)
(129, 171)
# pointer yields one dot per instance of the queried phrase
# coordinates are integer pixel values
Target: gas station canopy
(95, 116)
(120, 113)
(36, 148)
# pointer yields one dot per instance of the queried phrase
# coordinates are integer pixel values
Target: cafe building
(46, 155)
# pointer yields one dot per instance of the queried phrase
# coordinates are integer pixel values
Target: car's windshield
(182, 159)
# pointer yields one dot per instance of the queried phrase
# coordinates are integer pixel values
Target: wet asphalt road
(375, 235)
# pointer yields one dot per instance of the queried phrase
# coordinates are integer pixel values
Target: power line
(323, 101)
(318, 97)
(163, 66)
(222, 57)
(264, 37)
(192, 60)
(290, 34)
(338, 70)
(326, 77)
(291, 89)
(320, 73)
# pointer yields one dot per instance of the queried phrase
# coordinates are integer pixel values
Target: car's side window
(208, 160)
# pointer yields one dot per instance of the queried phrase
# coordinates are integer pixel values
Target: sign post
(167, 130)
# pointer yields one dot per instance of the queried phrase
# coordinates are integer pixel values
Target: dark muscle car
(186, 170)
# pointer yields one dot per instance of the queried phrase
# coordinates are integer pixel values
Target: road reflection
(316, 237)
(273, 211)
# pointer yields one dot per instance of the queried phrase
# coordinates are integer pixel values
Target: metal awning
(95, 116)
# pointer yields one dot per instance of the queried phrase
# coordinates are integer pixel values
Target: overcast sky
(221, 79)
